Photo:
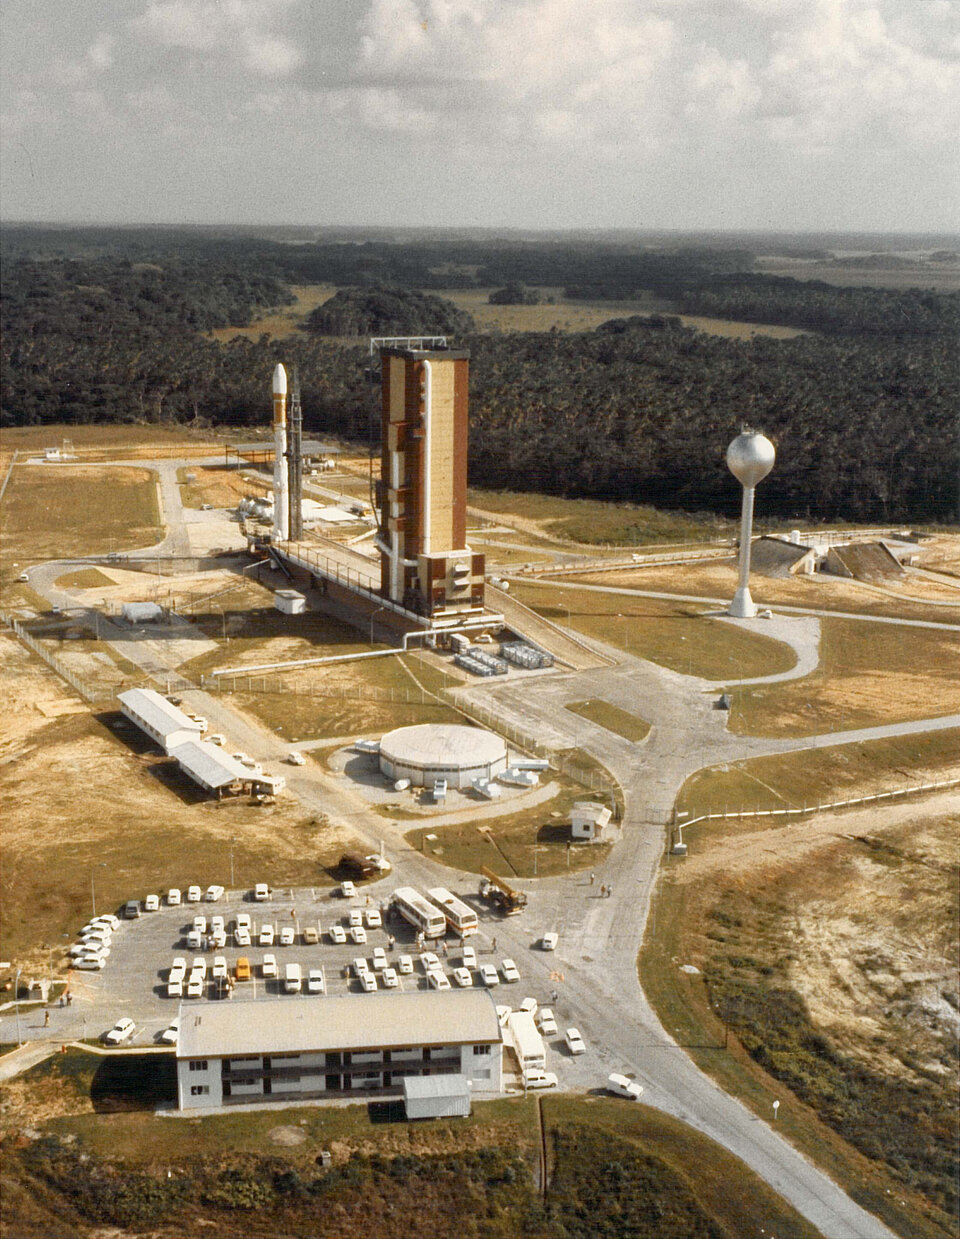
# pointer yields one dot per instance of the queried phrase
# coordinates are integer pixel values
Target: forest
(863, 408)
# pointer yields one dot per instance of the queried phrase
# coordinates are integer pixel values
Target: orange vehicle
(243, 969)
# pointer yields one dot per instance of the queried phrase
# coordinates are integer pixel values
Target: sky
(794, 115)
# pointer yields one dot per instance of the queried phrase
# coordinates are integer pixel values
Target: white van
(292, 978)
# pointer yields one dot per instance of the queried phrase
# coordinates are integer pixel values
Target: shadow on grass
(392, 1111)
(134, 1082)
(169, 775)
(554, 832)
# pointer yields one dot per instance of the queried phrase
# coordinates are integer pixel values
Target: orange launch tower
(425, 563)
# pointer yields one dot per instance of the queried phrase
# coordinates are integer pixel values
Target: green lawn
(612, 718)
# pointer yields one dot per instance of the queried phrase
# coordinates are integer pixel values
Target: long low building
(158, 718)
(208, 765)
(295, 1048)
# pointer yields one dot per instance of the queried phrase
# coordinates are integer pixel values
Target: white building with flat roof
(209, 766)
(162, 721)
(289, 1049)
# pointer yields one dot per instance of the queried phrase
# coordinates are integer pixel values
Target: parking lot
(133, 982)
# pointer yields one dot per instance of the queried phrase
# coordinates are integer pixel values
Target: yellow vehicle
(243, 969)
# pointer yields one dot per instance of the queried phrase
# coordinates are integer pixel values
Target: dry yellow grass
(283, 322)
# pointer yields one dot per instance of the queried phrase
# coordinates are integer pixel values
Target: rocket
(281, 515)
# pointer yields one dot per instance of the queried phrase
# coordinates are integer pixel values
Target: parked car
(373, 918)
(623, 1087)
(194, 894)
(175, 988)
(469, 957)
(261, 892)
(178, 969)
(214, 894)
(337, 934)
(194, 940)
(266, 935)
(217, 739)
(242, 937)
(107, 918)
(437, 980)
(355, 917)
(242, 971)
(360, 966)
(347, 890)
(219, 968)
(575, 1043)
(379, 959)
(549, 942)
(358, 934)
(243, 921)
(287, 935)
(199, 966)
(462, 977)
(171, 1033)
(151, 903)
(510, 971)
(315, 981)
(369, 983)
(534, 1077)
(131, 909)
(390, 978)
(122, 1031)
(269, 966)
(295, 758)
(529, 1005)
(311, 935)
(195, 985)
(200, 924)
(546, 1022)
(430, 962)
(90, 963)
(489, 975)
(174, 898)
(405, 965)
(218, 940)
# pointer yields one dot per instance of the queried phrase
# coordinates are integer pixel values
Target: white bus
(412, 906)
(461, 918)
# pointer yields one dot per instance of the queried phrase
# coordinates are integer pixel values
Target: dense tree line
(641, 411)
(382, 310)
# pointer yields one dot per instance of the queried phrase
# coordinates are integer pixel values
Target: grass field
(675, 635)
(62, 510)
(256, 1173)
(84, 578)
(531, 843)
(802, 995)
(594, 523)
(612, 718)
(869, 674)
(283, 322)
(809, 776)
(213, 484)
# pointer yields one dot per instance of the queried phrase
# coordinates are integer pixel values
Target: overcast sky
(789, 114)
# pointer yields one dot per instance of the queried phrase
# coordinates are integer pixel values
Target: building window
(198, 1064)
(482, 1049)
(199, 1090)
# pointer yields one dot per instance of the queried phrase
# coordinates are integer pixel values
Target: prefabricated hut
(589, 820)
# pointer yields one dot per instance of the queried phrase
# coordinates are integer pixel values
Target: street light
(93, 889)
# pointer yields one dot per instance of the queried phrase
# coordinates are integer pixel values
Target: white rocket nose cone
(279, 381)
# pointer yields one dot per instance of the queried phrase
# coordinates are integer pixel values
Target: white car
(315, 981)
(100, 949)
(178, 969)
(390, 978)
(405, 965)
(623, 1087)
(337, 934)
(533, 1077)
(469, 957)
(194, 940)
(574, 1041)
(194, 894)
(108, 919)
(431, 962)
(194, 986)
(219, 967)
(266, 935)
(175, 988)
(549, 942)
(360, 966)
(529, 1005)
(174, 898)
(241, 757)
(243, 921)
(269, 966)
(214, 894)
(217, 739)
(373, 918)
(151, 903)
(379, 959)
(261, 892)
(462, 977)
(547, 1023)
(242, 937)
(437, 980)
(199, 966)
(295, 758)
(217, 924)
(489, 975)
(288, 935)
(359, 935)
(123, 1030)
(369, 983)
(218, 940)
(171, 1033)
(90, 963)
(347, 890)
(199, 924)
(355, 917)
(510, 970)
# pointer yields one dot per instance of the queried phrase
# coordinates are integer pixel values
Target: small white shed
(290, 601)
(142, 612)
(436, 1097)
(589, 820)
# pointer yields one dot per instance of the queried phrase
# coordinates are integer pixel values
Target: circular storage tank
(434, 751)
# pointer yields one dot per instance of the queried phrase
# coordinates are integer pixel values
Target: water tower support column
(743, 606)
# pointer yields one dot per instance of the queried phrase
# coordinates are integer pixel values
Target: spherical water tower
(750, 458)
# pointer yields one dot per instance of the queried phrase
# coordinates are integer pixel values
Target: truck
(501, 894)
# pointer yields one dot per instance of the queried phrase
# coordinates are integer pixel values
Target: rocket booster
(281, 515)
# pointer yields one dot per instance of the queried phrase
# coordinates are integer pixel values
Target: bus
(412, 906)
(461, 918)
